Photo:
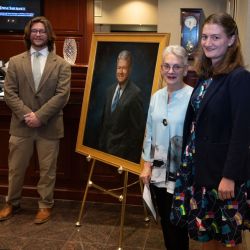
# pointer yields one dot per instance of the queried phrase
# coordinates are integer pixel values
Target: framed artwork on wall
(191, 20)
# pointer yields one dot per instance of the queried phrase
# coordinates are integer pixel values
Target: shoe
(8, 211)
(42, 215)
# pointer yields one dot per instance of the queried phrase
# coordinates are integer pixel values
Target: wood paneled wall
(72, 19)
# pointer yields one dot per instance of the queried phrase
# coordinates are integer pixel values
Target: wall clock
(190, 29)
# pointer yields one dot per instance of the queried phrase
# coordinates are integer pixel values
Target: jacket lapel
(211, 91)
(124, 95)
(110, 98)
(28, 70)
(49, 66)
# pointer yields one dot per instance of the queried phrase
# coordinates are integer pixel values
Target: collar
(44, 51)
(179, 92)
(123, 85)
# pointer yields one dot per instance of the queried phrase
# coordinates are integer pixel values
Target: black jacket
(123, 129)
(222, 138)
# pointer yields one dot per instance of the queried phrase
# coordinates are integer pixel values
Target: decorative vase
(70, 50)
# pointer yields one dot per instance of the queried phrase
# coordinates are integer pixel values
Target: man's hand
(31, 120)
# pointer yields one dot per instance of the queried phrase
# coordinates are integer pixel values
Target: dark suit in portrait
(123, 129)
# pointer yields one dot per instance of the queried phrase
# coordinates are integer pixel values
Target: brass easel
(122, 198)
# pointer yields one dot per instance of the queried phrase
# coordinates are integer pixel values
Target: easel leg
(78, 223)
(123, 209)
(146, 218)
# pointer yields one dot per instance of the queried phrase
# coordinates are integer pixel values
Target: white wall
(128, 12)
(166, 14)
(169, 19)
(169, 14)
(243, 21)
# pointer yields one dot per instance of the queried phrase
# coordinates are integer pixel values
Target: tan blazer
(47, 103)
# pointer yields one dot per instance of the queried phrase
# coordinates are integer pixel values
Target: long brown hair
(48, 28)
(233, 57)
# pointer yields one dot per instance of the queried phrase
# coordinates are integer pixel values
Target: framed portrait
(113, 116)
(191, 20)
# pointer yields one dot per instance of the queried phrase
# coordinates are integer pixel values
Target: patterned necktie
(36, 69)
(116, 99)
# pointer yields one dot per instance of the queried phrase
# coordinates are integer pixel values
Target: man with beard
(37, 87)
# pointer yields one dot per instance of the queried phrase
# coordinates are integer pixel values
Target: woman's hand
(146, 172)
(226, 189)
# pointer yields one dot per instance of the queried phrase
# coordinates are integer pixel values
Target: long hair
(49, 30)
(233, 57)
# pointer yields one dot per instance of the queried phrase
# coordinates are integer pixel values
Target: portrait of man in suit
(120, 79)
(122, 126)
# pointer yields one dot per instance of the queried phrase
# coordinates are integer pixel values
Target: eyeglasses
(176, 68)
(41, 32)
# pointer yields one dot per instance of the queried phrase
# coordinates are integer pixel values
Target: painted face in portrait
(38, 36)
(215, 42)
(173, 70)
(122, 71)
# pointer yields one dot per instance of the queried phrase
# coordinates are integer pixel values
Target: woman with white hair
(163, 141)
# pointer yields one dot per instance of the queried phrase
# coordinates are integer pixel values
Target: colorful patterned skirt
(207, 217)
(198, 208)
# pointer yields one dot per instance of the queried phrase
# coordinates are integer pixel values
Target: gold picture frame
(146, 50)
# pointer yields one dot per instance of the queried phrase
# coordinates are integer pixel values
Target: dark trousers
(175, 238)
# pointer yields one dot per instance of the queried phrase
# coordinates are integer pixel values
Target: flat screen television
(14, 14)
